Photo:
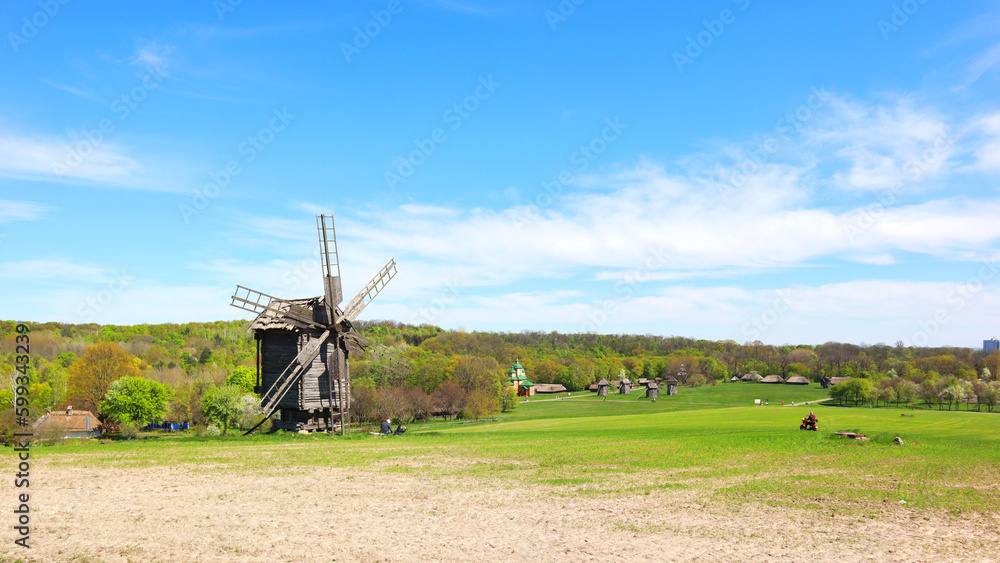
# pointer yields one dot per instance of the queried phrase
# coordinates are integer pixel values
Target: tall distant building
(991, 345)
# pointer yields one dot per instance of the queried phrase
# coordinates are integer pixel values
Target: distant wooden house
(752, 377)
(516, 377)
(796, 380)
(602, 388)
(734, 379)
(549, 388)
(682, 374)
(773, 379)
(592, 387)
(672, 385)
(652, 390)
(67, 424)
(625, 387)
(836, 380)
(643, 381)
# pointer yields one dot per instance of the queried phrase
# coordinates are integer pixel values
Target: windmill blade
(372, 288)
(259, 303)
(292, 372)
(377, 353)
(330, 262)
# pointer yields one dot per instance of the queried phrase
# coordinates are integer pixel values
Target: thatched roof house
(592, 387)
(67, 424)
(734, 379)
(836, 380)
(796, 380)
(549, 388)
(652, 390)
(752, 377)
(772, 379)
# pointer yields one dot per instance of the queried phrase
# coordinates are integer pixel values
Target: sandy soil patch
(188, 513)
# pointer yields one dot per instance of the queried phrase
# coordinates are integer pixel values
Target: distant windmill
(303, 344)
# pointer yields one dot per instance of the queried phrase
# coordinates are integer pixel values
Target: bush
(464, 414)
(129, 431)
(212, 430)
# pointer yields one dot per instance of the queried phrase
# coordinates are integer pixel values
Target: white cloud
(20, 211)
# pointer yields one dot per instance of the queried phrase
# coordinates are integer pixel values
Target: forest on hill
(458, 367)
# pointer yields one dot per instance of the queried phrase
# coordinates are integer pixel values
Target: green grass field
(707, 439)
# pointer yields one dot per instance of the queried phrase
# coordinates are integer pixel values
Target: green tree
(223, 406)
(508, 399)
(244, 378)
(136, 400)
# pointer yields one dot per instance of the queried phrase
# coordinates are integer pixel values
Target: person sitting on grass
(400, 430)
(386, 427)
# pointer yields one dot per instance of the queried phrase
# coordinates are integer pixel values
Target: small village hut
(549, 388)
(602, 388)
(625, 387)
(752, 377)
(671, 384)
(796, 380)
(67, 424)
(773, 379)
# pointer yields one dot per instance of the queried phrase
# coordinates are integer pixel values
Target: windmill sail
(372, 288)
(330, 261)
(261, 303)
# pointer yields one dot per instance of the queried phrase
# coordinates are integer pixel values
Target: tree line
(453, 372)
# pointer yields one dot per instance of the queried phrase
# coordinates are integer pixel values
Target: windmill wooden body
(303, 345)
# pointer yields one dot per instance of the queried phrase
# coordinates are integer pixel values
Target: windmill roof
(602, 382)
(270, 321)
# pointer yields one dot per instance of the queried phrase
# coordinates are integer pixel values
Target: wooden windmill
(303, 344)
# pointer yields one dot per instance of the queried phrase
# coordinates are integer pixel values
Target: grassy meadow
(709, 440)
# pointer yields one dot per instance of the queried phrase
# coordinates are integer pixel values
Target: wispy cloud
(78, 92)
(20, 211)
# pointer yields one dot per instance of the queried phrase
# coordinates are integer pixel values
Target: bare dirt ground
(206, 513)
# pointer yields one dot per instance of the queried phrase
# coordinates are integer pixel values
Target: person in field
(386, 427)
(400, 430)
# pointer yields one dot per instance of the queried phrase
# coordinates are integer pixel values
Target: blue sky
(723, 170)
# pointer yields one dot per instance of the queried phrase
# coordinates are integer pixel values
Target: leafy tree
(91, 376)
(205, 356)
(244, 378)
(508, 399)
(223, 406)
(136, 400)
(482, 403)
(449, 398)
